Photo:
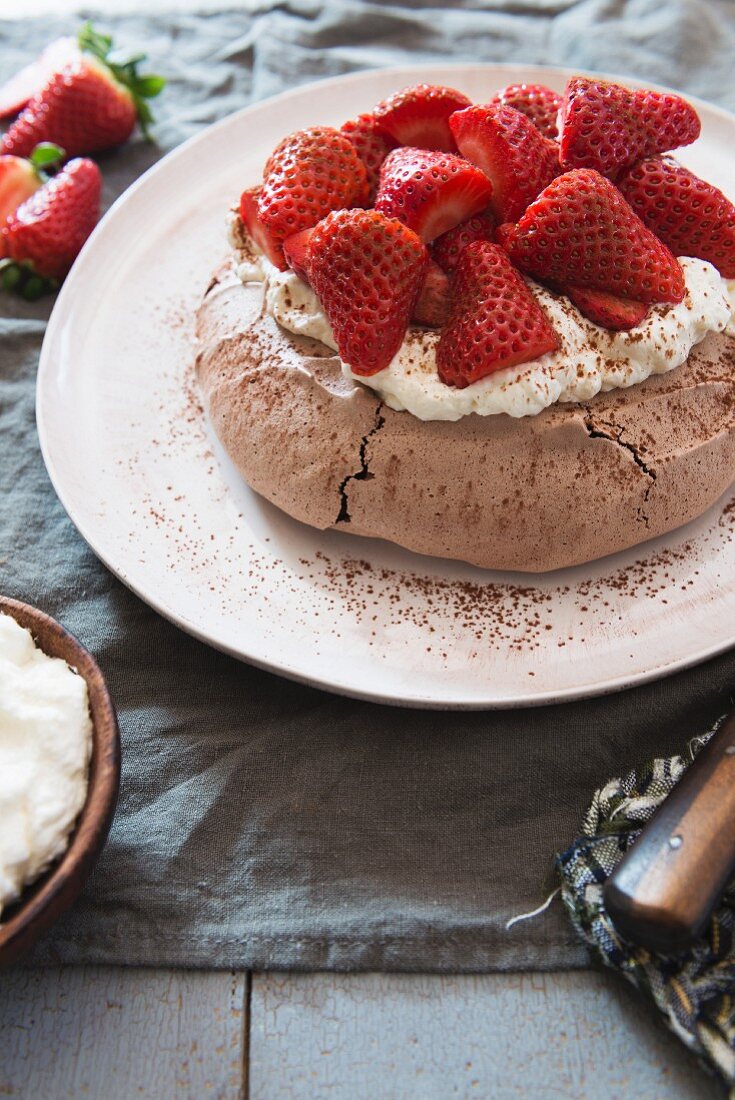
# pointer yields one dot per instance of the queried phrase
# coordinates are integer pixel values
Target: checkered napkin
(694, 990)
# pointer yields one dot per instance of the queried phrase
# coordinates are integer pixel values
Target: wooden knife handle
(664, 889)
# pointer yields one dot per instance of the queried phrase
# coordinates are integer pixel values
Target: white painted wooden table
(106, 1033)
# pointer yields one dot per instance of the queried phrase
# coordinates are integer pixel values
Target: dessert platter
(447, 416)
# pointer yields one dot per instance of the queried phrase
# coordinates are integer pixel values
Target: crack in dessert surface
(603, 429)
(363, 474)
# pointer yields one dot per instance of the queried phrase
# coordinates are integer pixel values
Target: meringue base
(574, 483)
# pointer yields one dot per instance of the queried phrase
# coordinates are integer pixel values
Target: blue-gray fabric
(262, 823)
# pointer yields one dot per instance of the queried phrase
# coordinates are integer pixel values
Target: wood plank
(505, 1036)
(103, 1032)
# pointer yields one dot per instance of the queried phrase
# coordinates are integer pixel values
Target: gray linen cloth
(262, 823)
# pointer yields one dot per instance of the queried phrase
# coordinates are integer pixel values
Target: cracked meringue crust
(574, 483)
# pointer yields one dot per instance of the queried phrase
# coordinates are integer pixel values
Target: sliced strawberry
(18, 180)
(372, 144)
(580, 231)
(447, 249)
(495, 322)
(430, 192)
(536, 102)
(266, 241)
(512, 153)
(309, 174)
(608, 127)
(90, 105)
(418, 116)
(607, 310)
(689, 215)
(49, 229)
(296, 252)
(434, 302)
(16, 92)
(505, 235)
(367, 271)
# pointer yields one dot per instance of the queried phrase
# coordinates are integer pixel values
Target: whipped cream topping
(589, 359)
(45, 746)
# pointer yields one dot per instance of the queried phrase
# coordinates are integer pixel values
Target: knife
(662, 893)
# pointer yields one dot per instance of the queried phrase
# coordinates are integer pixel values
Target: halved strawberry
(372, 144)
(689, 215)
(296, 252)
(607, 310)
(20, 177)
(267, 242)
(580, 231)
(495, 322)
(430, 192)
(434, 302)
(89, 105)
(608, 127)
(46, 233)
(367, 271)
(418, 116)
(447, 249)
(536, 102)
(512, 153)
(16, 92)
(309, 174)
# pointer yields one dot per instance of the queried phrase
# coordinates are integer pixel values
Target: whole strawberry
(20, 177)
(419, 116)
(608, 127)
(580, 231)
(46, 233)
(689, 215)
(495, 321)
(372, 145)
(89, 105)
(536, 102)
(429, 191)
(518, 160)
(310, 173)
(367, 272)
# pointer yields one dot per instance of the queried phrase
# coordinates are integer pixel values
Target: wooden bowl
(45, 900)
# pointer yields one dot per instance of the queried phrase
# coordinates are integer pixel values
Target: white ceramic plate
(141, 476)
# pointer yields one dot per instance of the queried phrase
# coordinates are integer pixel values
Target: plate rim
(517, 701)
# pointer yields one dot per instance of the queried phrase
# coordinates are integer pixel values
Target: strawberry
(608, 127)
(266, 242)
(447, 249)
(296, 252)
(505, 235)
(367, 271)
(536, 102)
(495, 321)
(690, 216)
(607, 310)
(16, 92)
(434, 302)
(372, 145)
(419, 116)
(580, 231)
(512, 153)
(309, 174)
(46, 233)
(89, 105)
(430, 192)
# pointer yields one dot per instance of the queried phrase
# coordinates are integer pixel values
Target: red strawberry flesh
(296, 252)
(607, 310)
(691, 216)
(447, 249)
(418, 116)
(434, 302)
(367, 271)
(430, 192)
(608, 127)
(268, 244)
(580, 231)
(372, 145)
(495, 321)
(518, 160)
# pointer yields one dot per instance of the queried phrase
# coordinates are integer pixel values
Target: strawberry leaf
(46, 155)
(123, 65)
